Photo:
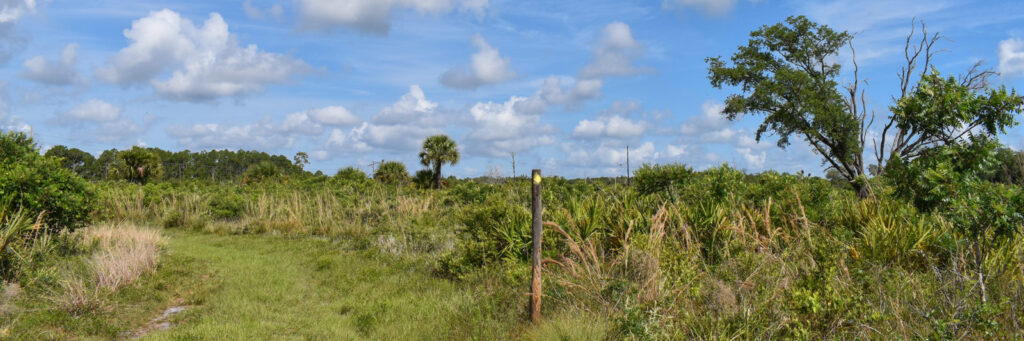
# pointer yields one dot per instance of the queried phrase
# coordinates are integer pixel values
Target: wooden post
(537, 240)
(627, 165)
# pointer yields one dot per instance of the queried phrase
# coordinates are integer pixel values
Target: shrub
(34, 183)
(392, 172)
(227, 206)
(137, 165)
(350, 174)
(659, 178)
(424, 178)
(259, 172)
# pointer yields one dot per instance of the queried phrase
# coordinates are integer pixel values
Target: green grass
(179, 280)
(253, 287)
(306, 288)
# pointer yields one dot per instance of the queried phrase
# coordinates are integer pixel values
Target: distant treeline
(216, 165)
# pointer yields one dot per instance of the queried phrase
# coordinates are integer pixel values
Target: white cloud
(487, 67)
(255, 12)
(1011, 57)
(609, 154)
(614, 54)
(411, 107)
(95, 111)
(501, 128)
(10, 12)
(552, 92)
(676, 151)
(753, 159)
(712, 7)
(208, 61)
(333, 115)
(710, 119)
(616, 127)
(401, 126)
(54, 72)
(374, 16)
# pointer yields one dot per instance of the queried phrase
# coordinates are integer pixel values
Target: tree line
(140, 164)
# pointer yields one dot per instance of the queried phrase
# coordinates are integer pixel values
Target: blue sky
(566, 85)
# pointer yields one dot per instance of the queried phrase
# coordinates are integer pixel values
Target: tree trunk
(437, 175)
(861, 187)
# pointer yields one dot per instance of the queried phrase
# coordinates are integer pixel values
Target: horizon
(565, 90)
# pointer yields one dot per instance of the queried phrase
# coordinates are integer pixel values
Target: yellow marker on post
(536, 178)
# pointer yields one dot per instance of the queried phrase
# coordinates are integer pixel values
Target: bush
(424, 178)
(392, 172)
(227, 206)
(659, 178)
(137, 165)
(34, 183)
(259, 172)
(350, 174)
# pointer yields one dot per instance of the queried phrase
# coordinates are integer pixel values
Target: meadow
(677, 254)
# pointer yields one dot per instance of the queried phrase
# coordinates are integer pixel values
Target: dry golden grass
(125, 253)
(76, 296)
(122, 253)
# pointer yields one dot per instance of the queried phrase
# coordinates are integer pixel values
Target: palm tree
(438, 150)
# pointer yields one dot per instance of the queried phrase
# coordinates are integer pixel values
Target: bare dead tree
(906, 142)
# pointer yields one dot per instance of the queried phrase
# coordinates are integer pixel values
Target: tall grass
(120, 255)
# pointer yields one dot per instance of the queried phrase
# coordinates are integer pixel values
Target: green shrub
(424, 178)
(350, 174)
(34, 183)
(227, 206)
(137, 165)
(650, 179)
(392, 172)
(259, 172)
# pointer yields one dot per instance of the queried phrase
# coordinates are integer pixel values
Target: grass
(277, 287)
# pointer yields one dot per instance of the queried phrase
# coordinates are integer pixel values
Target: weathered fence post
(537, 235)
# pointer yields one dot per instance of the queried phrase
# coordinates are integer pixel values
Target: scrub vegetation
(926, 244)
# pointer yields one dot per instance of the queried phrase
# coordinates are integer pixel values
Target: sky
(565, 85)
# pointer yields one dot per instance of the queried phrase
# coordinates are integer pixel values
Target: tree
(137, 165)
(73, 159)
(34, 184)
(391, 172)
(785, 74)
(301, 159)
(438, 150)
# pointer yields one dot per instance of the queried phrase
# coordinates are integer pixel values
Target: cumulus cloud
(563, 91)
(609, 154)
(676, 151)
(97, 120)
(10, 12)
(752, 158)
(401, 126)
(710, 125)
(616, 127)
(207, 61)
(614, 54)
(1011, 57)
(54, 72)
(501, 128)
(712, 7)
(255, 12)
(374, 16)
(487, 67)
(412, 107)
(94, 110)
(265, 134)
